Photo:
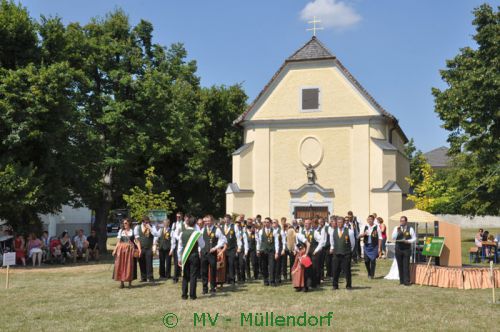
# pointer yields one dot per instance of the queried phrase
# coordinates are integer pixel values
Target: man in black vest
(329, 252)
(164, 247)
(342, 242)
(268, 251)
(252, 250)
(145, 234)
(354, 226)
(243, 251)
(232, 234)
(284, 255)
(188, 255)
(323, 229)
(316, 240)
(372, 239)
(176, 227)
(214, 239)
(404, 236)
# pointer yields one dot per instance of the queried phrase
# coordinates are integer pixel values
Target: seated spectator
(45, 246)
(20, 248)
(35, 249)
(93, 249)
(65, 246)
(80, 245)
(479, 238)
(56, 250)
(485, 235)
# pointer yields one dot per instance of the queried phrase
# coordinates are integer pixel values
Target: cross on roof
(314, 28)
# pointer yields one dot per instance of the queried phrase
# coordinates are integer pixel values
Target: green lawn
(85, 298)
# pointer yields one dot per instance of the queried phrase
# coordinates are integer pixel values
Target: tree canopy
(86, 108)
(470, 109)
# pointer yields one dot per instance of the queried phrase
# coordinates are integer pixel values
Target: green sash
(189, 247)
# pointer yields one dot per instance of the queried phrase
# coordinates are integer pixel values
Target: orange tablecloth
(454, 277)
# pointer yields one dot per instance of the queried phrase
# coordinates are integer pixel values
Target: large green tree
(470, 109)
(89, 107)
(37, 118)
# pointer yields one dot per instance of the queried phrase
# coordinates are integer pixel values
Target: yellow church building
(317, 143)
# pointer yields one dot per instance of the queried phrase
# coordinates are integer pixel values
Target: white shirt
(180, 247)
(237, 233)
(221, 239)
(368, 231)
(413, 238)
(177, 230)
(275, 236)
(123, 232)
(244, 239)
(299, 237)
(319, 236)
(79, 241)
(154, 231)
(352, 238)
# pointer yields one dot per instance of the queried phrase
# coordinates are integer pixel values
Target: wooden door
(310, 212)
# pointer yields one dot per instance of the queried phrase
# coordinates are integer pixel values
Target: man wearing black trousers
(317, 241)
(176, 228)
(188, 255)
(404, 236)
(342, 241)
(214, 239)
(329, 253)
(164, 246)
(232, 234)
(281, 251)
(242, 251)
(354, 225)
(323, 229)
(252, 251)
(268, 251)
(145, 234)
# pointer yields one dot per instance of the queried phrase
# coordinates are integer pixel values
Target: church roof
(438, 158)
(314, 50)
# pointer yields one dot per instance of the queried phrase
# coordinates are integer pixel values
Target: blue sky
(394, 48)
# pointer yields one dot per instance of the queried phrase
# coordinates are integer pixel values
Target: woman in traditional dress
(302, 261)
(221, 267)
(125, 261)
(19, 247)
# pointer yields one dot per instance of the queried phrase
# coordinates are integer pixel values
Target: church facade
(316, 143)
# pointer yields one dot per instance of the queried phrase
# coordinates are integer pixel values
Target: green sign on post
(433, 246)
(157, 215)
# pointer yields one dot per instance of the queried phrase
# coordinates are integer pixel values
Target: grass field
(85, 298)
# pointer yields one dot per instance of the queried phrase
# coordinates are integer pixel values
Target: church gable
(312, 83)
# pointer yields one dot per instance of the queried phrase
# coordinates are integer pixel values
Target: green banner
(433, 246)
(157, 215)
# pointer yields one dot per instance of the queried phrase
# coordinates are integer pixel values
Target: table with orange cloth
(454, 277)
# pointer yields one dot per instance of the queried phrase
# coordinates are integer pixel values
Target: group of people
(230, 251)
(57, 249)
(490, 251)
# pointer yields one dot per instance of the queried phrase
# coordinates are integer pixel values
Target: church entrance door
(309, 212)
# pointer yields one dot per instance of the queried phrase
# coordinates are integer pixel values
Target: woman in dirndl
(298, 269)
(221, 267)
(126, 252)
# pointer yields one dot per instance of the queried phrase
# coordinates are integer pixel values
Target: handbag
(136, 253)
(306, 261)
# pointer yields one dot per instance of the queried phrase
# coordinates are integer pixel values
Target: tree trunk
(102, 210)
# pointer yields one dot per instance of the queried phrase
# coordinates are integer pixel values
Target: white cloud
(332, 13)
